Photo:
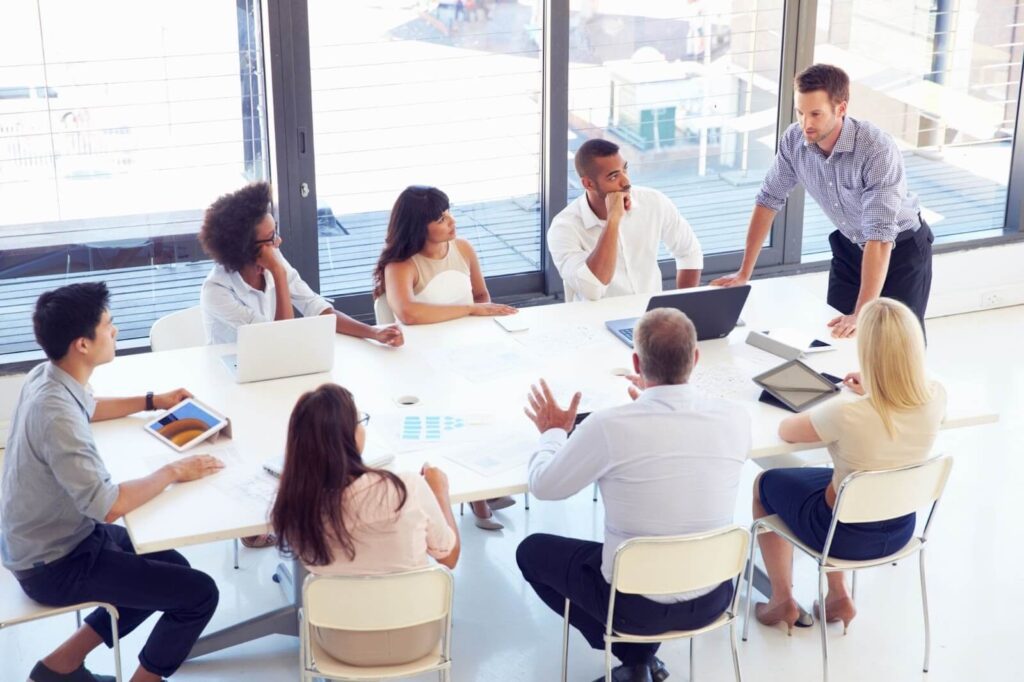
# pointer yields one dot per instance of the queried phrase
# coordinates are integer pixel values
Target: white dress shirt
(651, 220)
(667, 464)
(228, 302)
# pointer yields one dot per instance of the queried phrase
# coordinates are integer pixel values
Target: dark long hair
(415, 208)
(321, 459)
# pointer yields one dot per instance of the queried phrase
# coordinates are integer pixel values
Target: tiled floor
(503, 632)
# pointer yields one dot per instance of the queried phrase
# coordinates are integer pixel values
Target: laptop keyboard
(627, 333)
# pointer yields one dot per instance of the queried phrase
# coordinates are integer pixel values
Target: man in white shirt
(667, 464)
(605, 243)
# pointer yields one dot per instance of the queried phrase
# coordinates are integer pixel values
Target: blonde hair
(890, 348)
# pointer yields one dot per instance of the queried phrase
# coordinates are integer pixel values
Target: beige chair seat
(328, 665)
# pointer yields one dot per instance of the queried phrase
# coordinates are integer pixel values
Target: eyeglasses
(363, 418)
(271, 240)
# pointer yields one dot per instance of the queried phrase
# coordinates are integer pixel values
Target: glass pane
(113, 142)
(689, 92)
(429, 93)
(943, 79)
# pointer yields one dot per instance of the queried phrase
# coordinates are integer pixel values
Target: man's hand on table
(194, 467)
(843, 326)
(546, 414)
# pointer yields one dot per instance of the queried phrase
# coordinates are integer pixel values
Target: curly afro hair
(228, 234)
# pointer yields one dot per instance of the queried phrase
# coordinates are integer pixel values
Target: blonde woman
(892, 424)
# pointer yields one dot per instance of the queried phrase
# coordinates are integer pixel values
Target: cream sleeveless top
(443, 281)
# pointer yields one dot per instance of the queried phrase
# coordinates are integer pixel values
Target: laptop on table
(713, 311)
(284, 348)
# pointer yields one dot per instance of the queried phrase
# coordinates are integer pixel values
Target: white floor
(503, 632)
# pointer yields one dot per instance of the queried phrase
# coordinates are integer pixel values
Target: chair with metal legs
(865, 497)
(17, 608)
(667, 565)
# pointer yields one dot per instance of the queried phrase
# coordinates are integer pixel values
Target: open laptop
(285, 348)
(713, 311)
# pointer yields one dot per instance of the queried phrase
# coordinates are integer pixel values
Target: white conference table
(469, 369)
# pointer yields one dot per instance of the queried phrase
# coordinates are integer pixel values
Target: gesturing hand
(165, 401)
(546, 414)
(636, 385)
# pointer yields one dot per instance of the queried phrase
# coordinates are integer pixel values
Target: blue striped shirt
(861, 186)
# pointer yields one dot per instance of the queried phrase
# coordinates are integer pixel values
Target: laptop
(713, 311)
(284, 348)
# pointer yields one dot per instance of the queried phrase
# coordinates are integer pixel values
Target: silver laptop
(285, 348)
(714, 311)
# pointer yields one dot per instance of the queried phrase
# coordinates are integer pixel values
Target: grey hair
(665, 340)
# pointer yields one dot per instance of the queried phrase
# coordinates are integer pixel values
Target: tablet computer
(796, 385)
(186, 424)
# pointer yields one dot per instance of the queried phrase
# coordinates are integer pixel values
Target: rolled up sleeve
(781, 177)
(570, 257)
(679, 238)
(885, 185)
(221, 304)
(72, 457)
(305, 300)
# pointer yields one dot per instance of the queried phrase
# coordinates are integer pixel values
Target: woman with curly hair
(252, 282)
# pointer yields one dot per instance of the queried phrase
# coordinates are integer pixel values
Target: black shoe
(630, 673)
(40, 673)
(658, 670)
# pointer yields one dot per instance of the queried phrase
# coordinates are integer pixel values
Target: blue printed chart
(431, 427)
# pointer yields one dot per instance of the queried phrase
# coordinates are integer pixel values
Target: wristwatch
(149, 402)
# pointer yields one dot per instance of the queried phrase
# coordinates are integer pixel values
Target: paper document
(513, 323)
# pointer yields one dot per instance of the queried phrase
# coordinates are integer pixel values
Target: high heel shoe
(839, 610)
(786, 612)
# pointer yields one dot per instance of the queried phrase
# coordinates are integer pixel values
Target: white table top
(470, 369)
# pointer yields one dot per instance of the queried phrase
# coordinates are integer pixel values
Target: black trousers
(558, 568)
(909, 279)
(104, 567)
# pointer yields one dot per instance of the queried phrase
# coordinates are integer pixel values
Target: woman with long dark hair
(342, 517)
(425, 273)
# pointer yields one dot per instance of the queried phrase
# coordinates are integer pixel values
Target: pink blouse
(387, 541)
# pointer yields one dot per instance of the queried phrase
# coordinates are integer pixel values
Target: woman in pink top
(341, 517)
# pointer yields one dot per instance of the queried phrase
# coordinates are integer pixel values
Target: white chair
(183, 329)
(17, 608)
(375, 603)
(865, 497)
(382, 311)
(666, 565)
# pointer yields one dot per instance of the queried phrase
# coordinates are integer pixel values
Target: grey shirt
(54, 486)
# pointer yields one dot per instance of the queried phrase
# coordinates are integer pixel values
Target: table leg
(281, 621)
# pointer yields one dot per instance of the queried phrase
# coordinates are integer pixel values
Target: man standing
(605, 243)
(58, 504)
(881, 245)
(668, 463)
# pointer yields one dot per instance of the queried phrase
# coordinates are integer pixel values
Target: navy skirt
(798, 497)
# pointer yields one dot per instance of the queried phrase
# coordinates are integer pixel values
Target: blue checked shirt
(861, 187)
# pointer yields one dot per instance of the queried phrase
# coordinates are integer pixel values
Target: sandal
(259, 541)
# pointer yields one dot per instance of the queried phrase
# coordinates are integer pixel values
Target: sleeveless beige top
(443, 281)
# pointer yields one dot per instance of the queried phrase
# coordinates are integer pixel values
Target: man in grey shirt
(57, 502)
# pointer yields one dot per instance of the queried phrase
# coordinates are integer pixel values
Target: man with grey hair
(668, 463)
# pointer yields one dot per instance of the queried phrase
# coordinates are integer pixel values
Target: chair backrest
(380, 602)
(183, 329)
(382, 311)
(867, 496)
(679, 563)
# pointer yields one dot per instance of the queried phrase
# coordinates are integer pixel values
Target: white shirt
(228, 303)
(651, 220)
(667, 464)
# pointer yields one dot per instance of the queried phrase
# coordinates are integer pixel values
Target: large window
(428, 93)
(943, 79)
(112, 142)
(689, 91)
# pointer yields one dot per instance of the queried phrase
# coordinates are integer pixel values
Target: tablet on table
(186, 424)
